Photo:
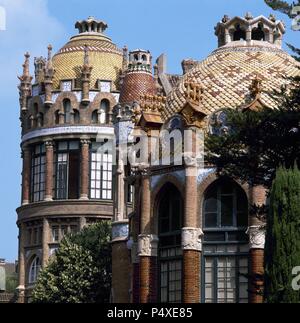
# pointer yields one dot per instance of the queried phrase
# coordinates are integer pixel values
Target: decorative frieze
(257, 237)
(148, 245)
(192, 239)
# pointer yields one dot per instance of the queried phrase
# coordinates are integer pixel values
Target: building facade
(180, 233)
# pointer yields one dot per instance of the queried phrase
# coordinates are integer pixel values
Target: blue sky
(179, 28)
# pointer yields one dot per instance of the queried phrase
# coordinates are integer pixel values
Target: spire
(25, 85)
(125, 58)
(49, 70)
(86, 71)
(26, 77)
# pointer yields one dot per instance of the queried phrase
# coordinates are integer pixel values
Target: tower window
(67, 110)
(34, 270)
(258, 33)
(170, 214)
(67, 170)
(101, 185)
(95, 117)
(104, 110)
(38, 168)
(76, 116)
(239, 34)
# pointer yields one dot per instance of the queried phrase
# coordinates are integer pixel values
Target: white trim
(98, 130)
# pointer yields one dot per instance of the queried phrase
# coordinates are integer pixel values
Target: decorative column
(46, 237)
(191, 239)
(256, 233)
(49, 170)
(26, 153)
(84, 171)
(49, 73)
(82, 222)
(120, 231)
(22, 281)
(147, 246)
(25, 85)
(86, 71)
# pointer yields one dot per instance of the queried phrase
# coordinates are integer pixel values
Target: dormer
(249, 30)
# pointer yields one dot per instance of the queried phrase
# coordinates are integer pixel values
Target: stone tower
(66, 113)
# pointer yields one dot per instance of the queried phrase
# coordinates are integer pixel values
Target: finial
(26, 65)
(256, 86)
(50, 52)
(248, 16)
(272, 17)
(225, 19)
(49, 66)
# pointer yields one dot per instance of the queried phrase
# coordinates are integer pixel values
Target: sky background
(179, 28)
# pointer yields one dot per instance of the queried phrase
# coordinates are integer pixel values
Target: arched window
(104, 110)
(56, 117)
(40, 119)
(144, 58)
(258, 33)
(34, 270)
(36, 115)
(76, 116)
(225, 247)
(170, 215)
(239, 34)
(67, 110)
(95, 117)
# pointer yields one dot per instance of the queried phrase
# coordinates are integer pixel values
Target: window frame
(41, 170)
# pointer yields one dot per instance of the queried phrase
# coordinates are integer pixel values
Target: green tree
(282, 252)
(260, 141)
(80, 272)
(283, 6)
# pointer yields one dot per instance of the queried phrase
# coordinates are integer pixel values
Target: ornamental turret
(250, 29)
(86, 71)
(25, 85)
(48, 80)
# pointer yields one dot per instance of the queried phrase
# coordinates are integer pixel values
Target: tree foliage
(282, 252)
(282, 6)
(80, 272)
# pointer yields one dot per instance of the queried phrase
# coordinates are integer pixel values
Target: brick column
(191, 239)
(147, 248)
(26, 175)
(46, 237)
(84, 169)
(49, 170)
(256, 233)
(21, 278)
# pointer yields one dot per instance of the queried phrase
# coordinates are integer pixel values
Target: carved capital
(85, 141)
(192, 239)
(147, 245)
(49, 144)
(257, 237)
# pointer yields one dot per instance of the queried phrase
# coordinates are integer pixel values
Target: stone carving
(192, 239)
(257, 237)
(147, 245)
(120, 231)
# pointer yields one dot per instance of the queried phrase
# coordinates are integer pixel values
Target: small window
(34, 270)
(56, 117)
(95, 117)
(104, 110)
(67, 110)
(55, 234)
(258, 33)
(239, 34)
(76, 116)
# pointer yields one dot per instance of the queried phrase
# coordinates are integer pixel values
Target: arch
(34, 268)
(104, 111)
(258, 33)
(40, 120)
(239, 33)
(95, 117)
(95, 105)
(76, 115)
(170, 221)
(56, 117)
(67, 110)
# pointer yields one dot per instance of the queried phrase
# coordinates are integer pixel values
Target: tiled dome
(105, 58)
(227, 74)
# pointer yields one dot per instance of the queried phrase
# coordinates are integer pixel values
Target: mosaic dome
(227, 74)
(105, 58)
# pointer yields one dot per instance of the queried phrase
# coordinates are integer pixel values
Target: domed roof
(228, 73)
(105, 58)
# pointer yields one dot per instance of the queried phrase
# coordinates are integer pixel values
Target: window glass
(38, 169)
